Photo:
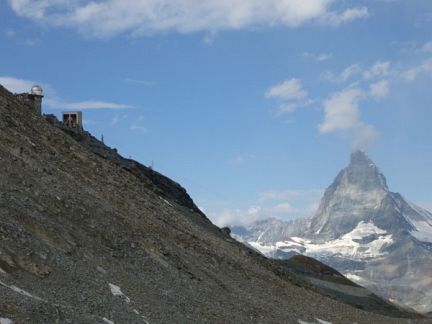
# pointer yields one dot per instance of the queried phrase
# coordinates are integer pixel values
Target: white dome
(36, 90)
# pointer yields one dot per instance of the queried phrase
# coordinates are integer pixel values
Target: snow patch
(19, 291)
(166, 201)
(106, 320)
(261, 235)
(347, 245)
(2, 272)
(116, 291)
(353, 277)
(318, 321)
(4, 320)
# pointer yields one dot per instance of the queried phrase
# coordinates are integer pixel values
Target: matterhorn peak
(363, 173)
(360, 157)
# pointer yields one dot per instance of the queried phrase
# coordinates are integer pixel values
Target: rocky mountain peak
(363, 173)
(359, 156)
(355, 195)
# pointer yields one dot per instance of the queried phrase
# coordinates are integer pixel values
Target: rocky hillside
(89, 237)
(370, 234)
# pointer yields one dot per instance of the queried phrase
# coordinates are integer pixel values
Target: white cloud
(17, 85)
(283, 204)
(345, 75)
(379, 89)
(83, 105)
(233, 217)
(363, 136)
(287, 108)
(320, 57)
(291, 95)
(341, 111)
(342, 114)
(140, 17)
(378, 70)
(348, 15)
(242, 217)
(423, 68)
(287, 90)
(290, 107)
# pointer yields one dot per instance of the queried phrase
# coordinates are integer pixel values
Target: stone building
(32, 100)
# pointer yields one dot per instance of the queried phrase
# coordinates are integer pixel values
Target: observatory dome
(36, 90)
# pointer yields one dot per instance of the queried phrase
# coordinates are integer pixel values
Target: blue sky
(253, 106)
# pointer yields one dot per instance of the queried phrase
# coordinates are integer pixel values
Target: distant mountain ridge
(370, 234)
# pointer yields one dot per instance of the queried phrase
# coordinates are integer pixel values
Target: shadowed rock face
(363, 230)
(89, 237)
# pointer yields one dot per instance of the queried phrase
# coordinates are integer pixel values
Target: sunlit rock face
(355, 195)
(374, 236)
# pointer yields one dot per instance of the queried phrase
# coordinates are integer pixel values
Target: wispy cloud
(51, 100)
(342, 114)
(235, 217)
(423, 68)
(283, 204)
(287, 90)
(118, 118)
(84, 105)
(346, 16)
(242, 217)
(147, 83)
(241, 159)
(141, 17)
(16, 85)
(290, 94)
(379, 89)
(318, 57)
(343, 76)
(378, 70)
(138, 125)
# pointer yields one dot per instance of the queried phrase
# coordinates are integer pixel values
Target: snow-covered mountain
(373, 236)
